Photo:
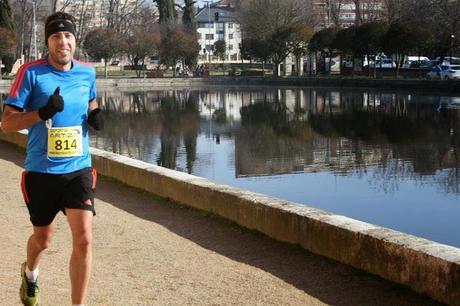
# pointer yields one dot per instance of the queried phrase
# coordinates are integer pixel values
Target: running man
(54, 98)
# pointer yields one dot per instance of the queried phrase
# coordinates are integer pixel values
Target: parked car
(448, 60)
(449, 103)
(444, 72)
(416, 62)
(382, 63)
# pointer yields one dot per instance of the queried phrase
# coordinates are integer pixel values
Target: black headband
(59, 25)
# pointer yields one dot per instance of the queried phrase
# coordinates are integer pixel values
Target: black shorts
(46, 194)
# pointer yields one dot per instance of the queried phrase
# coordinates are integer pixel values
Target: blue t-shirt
(31, 89)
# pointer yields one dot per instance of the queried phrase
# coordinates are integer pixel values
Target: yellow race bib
(65, 141)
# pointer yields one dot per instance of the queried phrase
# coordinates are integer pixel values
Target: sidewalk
(151, 252)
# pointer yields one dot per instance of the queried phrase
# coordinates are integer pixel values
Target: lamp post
(452, 37)
(207, 53)
(209, 31)
(34, 26)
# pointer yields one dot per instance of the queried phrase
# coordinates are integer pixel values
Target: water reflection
(290, 131)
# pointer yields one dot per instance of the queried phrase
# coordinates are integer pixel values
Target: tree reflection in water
(290, 131)
(180, 119)
(134, 119)
(348, 135)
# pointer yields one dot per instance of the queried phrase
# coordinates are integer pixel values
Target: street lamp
(34, 28)
(452, 37)
(209, 30)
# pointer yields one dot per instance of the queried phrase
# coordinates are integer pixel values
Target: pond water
(389, 158)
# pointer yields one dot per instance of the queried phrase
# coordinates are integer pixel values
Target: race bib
(65, 142)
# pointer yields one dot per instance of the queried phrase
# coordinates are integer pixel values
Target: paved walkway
(151, 252)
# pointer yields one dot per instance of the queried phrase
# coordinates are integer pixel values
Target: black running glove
(55, 104)
(95, 119)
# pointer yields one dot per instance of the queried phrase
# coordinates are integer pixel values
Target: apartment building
(217, 22)
(345, 13)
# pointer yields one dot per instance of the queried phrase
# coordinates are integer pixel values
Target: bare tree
(272, 24)
(392, 10)
(262, 18)
(120, 14)
(358, 12)
(139, 46)
(335, 11)
(22, 11)
(145, 19)
(438, 16)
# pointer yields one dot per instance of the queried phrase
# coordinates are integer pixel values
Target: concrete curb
(425, 266)
(446, 87)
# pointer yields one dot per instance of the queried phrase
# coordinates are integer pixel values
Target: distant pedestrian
(186, 72)
(198, 71)
(205, 71)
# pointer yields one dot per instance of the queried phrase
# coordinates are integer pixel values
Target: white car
(416, 62)
(444, 72)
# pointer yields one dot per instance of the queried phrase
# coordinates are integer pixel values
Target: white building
(218, 23)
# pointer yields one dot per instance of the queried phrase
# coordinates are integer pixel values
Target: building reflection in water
(283, 131)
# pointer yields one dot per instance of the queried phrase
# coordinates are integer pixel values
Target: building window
(230, 25)
(205, 25)
(347, 16)
(210, 36)
(230, 36)
(230, 47)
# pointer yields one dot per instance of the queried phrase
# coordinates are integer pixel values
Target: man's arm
(95, 118)
(14, 120)
(92, 105)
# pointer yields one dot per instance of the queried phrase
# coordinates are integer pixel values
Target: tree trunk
(298, 63)
(341, 64)
(375, 67)
(105, 69)
(143, 70)
(353, 62)
(276, 69)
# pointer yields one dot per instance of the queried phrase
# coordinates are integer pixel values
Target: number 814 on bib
(65, 142)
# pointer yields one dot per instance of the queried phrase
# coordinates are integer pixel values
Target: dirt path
(151, 252)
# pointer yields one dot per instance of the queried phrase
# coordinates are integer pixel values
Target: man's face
(61, 47)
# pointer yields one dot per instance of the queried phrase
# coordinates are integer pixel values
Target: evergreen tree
(6, 22)
(189, 22)
(188, 18)
(167, 11)
(6, 16)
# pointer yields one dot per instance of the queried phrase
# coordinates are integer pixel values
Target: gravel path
(148, 251)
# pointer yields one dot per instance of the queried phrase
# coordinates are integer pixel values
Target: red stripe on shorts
(23, 187)
(94, 174)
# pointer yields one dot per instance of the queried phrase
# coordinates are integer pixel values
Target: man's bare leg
(80, 222)
(37, 243)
